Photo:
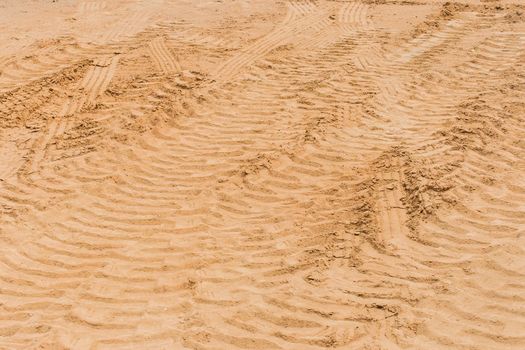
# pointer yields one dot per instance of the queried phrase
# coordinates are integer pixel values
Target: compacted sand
(262, 174)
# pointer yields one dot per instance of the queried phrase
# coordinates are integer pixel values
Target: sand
(262, 174)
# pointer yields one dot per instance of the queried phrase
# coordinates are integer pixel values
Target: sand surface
(262, 174)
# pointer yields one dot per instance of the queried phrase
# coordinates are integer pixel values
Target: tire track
(162, 56)
(89, 8)
(277, 37)
(93, 85)
(354, 15)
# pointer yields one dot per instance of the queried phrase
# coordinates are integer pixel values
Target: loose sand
(262, 174)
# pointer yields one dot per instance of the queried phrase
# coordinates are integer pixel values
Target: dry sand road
(262, 174)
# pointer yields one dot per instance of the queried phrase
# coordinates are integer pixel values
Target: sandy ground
(262, 174)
